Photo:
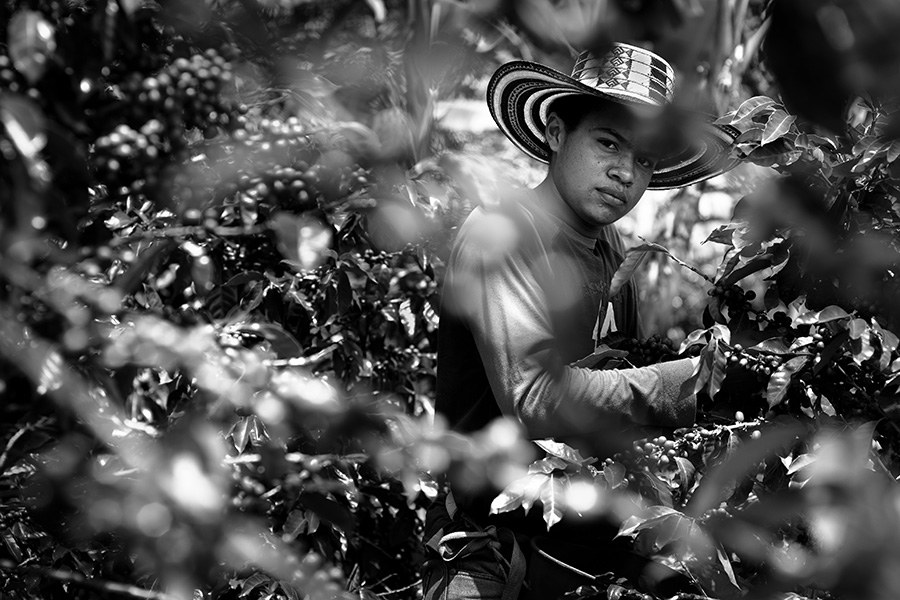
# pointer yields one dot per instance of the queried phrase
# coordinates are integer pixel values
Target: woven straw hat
(520, 93)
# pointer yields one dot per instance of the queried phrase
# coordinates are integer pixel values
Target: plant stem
(15, 438)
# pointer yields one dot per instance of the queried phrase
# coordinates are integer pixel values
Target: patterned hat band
(629, 72)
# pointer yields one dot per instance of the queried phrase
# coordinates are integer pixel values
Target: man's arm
(500, 297)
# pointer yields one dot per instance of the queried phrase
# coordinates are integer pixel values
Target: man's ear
(555, 132)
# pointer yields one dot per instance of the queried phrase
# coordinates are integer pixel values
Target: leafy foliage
(221, 248)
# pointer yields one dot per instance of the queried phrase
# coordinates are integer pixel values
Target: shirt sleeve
(497, 290)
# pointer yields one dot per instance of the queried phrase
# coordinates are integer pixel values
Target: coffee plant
(218, 316)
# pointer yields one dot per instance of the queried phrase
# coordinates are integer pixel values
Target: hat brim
(519, 96)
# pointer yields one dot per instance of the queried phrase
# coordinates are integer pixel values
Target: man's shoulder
(513, 219)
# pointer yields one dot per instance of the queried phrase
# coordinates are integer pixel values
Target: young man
(527, 286)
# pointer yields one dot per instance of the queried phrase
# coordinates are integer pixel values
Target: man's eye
(647, 163)
(608, 144)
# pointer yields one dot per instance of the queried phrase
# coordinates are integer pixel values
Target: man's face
(602, 167)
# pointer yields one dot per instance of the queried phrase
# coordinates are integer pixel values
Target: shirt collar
(538, 203)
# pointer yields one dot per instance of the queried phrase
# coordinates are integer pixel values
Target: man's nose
(623, 171)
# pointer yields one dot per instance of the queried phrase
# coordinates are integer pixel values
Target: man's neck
(553, 202)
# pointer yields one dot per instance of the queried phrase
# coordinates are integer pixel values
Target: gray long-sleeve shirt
(526, 295)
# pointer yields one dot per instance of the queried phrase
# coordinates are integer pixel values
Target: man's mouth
(612, 196)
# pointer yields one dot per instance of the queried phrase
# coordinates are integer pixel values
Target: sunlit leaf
(562, 451)
(700, 377)
(553, 498)
(511, 497)
(547, 465)
(727, 566)
(296, 523)
(894, 151)
(633, 259)
(759, 263)
(749, 109)
(772, 346)
(754, 134)
(779, 123)
(698, 336)
(717, 370)
(781, 379)
(632, 524)
(655, 534)
(721, 235)
(721, 333)
(615, 475)
(777, 153)
(533, 490)
(826, 315)
(685, 471)
(430, 314)
(857, 327)
(257, 431)
(659, 489)
(407, 317)
(800, 462)
(253, 582)
(873, 151)
(888, 339)
(864, 349)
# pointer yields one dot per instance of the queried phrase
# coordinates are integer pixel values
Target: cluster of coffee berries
(656, 453)
(129, 157)
(649, 351)
(284, 187)
(292, 129)
(762, 365)
(188, 92)
(236, 255)
(294, 188)
(413, 281)
(659, 452)
(372, 256)
(780, 319)
(275, 139)
(329, 184)
(733, 296)
(10, 515)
